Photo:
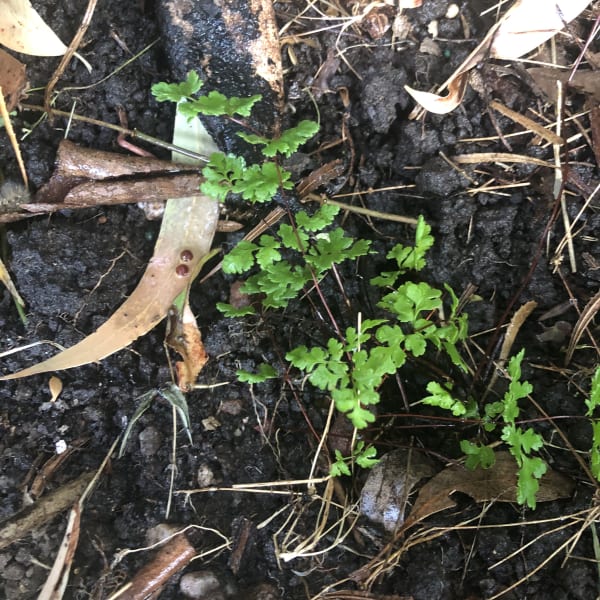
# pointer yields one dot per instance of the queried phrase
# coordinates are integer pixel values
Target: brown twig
(87, 18)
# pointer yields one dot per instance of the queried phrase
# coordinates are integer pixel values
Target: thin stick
(130, 132)
(362, 211)
(12, 137)
(87, 18)
(559, 188)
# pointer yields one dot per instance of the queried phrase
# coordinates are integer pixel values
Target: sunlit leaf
(23, 30)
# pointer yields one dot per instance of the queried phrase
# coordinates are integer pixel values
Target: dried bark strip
(37, 515)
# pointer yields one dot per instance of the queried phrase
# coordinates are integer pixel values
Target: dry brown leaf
(522, 28)
(13, 80)
(56, 386)
(23, 30)
(185, 338)
(498, 483)
(584, 81)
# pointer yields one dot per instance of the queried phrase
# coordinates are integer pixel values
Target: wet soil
(73, 269)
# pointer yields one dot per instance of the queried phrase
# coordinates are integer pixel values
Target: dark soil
(496, 241)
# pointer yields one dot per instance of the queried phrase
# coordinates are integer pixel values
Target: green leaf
(366, 457)
(240, 259)
(293, 238)
(175, 92)
(477, 455)
(264, 372)
(288, 143)
(527, 480)
(339, 467)
(216, 104)
(175, 397)
(595, 450)
(268, 252)
(321, 219)
(442, 398)
(231, 311)
(259, 183)
(594, 399)
(347, 402)
(304, 359)
(334, 247)
(220, 174)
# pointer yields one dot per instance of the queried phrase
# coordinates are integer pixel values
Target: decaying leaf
(23, 30)
(526, 25)
(498, 483)
(185, 238)
(585, 81)
(185, 338)
(441, 105)
(385, 495)
(13, 80)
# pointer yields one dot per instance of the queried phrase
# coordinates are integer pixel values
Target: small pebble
(161, 532)
(150, 441)
(205, 476)
(452, 11)
(201, 585)
(263, 591)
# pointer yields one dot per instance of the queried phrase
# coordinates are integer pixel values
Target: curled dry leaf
(526, 25)
(442, 105)
(185, 338)
(23, 30)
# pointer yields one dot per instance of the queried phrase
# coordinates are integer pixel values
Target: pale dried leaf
(10, 286)
(523, 27)
(56, 386)
(441, 105)
(23, 30)
(530, 23)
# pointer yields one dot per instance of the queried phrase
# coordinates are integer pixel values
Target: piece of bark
(44, 510)
(234, 46)
(85, 177)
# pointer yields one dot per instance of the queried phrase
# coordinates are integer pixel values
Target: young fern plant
(352, 370)
(227, 173)
(522, 443)
(280, 266)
